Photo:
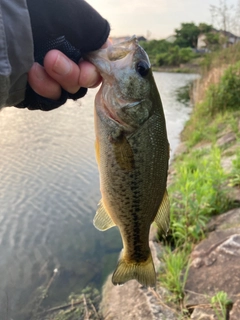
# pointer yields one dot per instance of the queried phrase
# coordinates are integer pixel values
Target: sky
(155, 19)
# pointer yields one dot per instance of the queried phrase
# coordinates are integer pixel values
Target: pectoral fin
(102, 221)
(123, 153)
(162, 218)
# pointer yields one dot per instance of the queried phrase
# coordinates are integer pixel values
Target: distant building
(230, 39)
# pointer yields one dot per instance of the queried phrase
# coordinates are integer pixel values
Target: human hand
(61, 72)
(74, 28)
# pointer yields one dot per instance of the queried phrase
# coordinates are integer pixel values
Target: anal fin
(102, 221)
(162, 218)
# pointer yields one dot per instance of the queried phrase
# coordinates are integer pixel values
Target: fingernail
(62, 66)
(39, 72)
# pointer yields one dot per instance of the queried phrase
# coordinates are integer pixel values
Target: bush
(175, 56)
(225, 94)
(197, 194)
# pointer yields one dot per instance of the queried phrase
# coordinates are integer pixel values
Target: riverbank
(203, 184)
(200, 255)
(183, 68)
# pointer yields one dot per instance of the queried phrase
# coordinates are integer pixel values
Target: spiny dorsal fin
(162, 218)
(102, 221)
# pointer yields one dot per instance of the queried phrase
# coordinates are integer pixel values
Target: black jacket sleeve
(72, 27)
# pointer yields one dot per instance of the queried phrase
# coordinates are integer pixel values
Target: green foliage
(213, 41)
(175, 56)
(174, 273)
(154, 47)
(197, 194)
(214, 59)
(183, 93)
(165, 53)
(205, 28)
(187, 35)
(220, 106)
(225, 94)
(235, 174)
(220, 303)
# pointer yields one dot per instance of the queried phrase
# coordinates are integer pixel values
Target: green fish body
(132, 152)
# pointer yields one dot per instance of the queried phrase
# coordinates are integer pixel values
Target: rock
(225, 221)
(227, 138)
(133, 301)
(204, 313)
(215, 263)
(226, 163)
(235, 312)
(203, 145)
(231, 150)
(234, 195)
(181, 148)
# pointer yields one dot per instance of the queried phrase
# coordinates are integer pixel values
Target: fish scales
(132, 152)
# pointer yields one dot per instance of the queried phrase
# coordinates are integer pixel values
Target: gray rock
(133, 301)
(181, 148)
(226, 139)
(226, 163)
(215, 263)
(203, 313)
(235, 312)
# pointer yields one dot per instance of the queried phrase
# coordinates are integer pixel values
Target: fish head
(127, 80)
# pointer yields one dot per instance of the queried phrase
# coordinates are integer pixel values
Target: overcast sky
(157, 18)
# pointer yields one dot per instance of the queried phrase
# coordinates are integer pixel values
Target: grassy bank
(200, 187)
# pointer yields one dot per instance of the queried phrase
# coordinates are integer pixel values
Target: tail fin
(143, 272)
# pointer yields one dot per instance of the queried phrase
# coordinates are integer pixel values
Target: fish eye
(142, 68)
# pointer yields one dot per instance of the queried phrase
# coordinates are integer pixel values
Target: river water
(49, 190)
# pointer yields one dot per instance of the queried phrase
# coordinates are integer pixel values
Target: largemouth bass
(132, 153)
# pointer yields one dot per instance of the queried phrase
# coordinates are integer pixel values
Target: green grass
(199, 188)
(197, 194)
(215, 59)
(235, 173)
(183, 94)
(174, 273)
(220, 106)
(220, 304)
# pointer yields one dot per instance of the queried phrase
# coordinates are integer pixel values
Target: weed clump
(226, 94)
(197, 194)
(200, 186)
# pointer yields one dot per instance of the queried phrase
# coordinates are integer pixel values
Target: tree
(205, 28)
(213, 41)
(187, 35)
(222, 15)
